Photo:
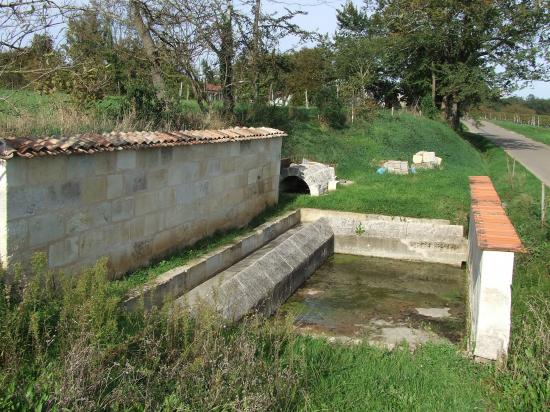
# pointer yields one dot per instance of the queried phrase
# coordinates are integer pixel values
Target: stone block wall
(131, 205)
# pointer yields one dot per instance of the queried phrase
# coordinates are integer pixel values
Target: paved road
(533, 155)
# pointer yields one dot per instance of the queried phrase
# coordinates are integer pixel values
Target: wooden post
(307, 101)
(392, 111)
(181, 89)
(542, 205)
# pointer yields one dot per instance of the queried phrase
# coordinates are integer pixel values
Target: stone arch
(294, 184)
(318, 177)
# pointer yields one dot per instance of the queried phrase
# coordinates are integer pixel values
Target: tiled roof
(494, 230)
(95, 142)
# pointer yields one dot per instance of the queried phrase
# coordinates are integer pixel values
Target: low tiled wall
(492, 244)
(131, 205)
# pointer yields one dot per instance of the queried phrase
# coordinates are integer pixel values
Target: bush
(112, 107)
(330, 108)
(66, 344)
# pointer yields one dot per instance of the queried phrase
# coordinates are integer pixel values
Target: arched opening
(293, 184)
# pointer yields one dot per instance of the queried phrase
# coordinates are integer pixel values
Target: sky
(321, 17)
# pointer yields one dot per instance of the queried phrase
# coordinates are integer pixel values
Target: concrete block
(254, 175)
(166, 155)
(90, 217)
(115, 186)
(63, 252)
(136, 227)
(94, 189)
(154, 223)
(438, 161)
(123, 209)
(134, 182)
(46, 170)
(58, 196)
(46, 228)
(213, 167)
(126, 160)
(332, 185)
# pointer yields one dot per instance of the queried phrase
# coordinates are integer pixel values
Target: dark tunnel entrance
(293, 184)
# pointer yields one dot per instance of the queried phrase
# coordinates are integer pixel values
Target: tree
(458, 51)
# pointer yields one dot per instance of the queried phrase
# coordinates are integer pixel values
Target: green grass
(540, 134)
(365, 378)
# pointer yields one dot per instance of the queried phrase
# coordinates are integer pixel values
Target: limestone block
(46, 228)
(62, 195)
(438, 161)
(177, 216)
(25, 201)
(123, 209)
(136, 227)
(146, 202)
(16, 173)
(115, 186)
(185, 194)
(428, 157)
(80, 166)
(126, 159)
(105, 163)
(135, 181)
(116, 234)
(94, 189)
(47, 169)
(254, 175)
(417, 158)
(229, 164)
(17, 235)
(332, 185)
(151, 159)
(157, 178)
(183, 173)
(91, 217)
(154, 223)
(63, 252)
(166, 155)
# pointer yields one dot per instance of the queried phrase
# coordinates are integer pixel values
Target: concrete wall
(396, 237)
(131, 205)
(490, 299)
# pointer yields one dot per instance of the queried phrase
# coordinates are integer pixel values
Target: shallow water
(382, 300)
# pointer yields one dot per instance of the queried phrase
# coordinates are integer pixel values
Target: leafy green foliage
(428, 107)
(330, 107)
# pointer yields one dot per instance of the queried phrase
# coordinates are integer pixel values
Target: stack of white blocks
(397, 167)
(426, 160)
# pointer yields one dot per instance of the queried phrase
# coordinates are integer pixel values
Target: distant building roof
(106, 142)
(210, 87)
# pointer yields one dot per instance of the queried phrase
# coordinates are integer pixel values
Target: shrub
(428, 107)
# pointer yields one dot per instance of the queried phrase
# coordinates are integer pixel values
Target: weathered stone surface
(397, 167)
(63, 252)
(267, 277)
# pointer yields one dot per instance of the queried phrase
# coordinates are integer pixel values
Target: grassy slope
(540, 134)
(358, 151)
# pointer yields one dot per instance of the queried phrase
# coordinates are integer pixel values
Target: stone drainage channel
(343, 275)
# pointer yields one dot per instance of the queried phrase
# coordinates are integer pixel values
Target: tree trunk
(150, 49)
(452, 111)
(433, 85)
(256, 50)
(226, 60)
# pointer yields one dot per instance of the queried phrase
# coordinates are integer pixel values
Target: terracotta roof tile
(494, 230)
(95, 142)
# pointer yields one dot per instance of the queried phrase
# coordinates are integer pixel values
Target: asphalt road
(533, 155)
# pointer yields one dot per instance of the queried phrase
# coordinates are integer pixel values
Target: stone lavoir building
(131, 196)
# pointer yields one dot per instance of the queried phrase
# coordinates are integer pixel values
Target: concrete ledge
(175, 282)
(396, 237)
(266, 278)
